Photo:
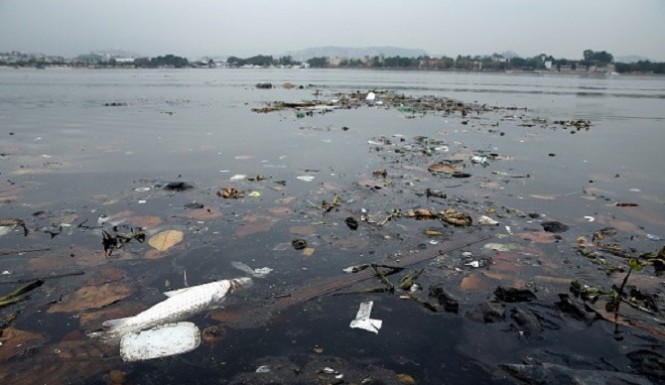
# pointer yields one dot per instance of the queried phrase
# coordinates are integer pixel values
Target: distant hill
(354, 53)
(630, 59)
(116, 52)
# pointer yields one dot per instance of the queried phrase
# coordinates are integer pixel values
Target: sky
(191, 28)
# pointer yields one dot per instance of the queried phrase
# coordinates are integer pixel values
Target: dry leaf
(280, 211)
(406, 379)
(106, 275)
(618, 224)
(543, 197)
(14, 340)
(166, 239)
(474, 283)
(204, 214)
(302, 230)
(445, 168)
(539, 237)
(91, 297)
(254, 227)
(146, 221)
(50, 263)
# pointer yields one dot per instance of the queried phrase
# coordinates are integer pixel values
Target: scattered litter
(263, 369)
(178, 186)
(487, 221)
(179, 305)
(299, 244)
(230, 193)
(281, 246)
(474, 264)
(501, 246)
(554, 227)
(589, 218)
(305, 178)
(238, 177)
(509, 230)
(363, 321)
(254, 194)
(142, 201)
(161, 341)
(370, 96)
(626, 204)
(356, 268)
(477, 159)
(164, 240)
(653, 237)
(256, 273)
(142, 189)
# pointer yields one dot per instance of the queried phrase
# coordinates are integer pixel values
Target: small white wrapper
(363, 320)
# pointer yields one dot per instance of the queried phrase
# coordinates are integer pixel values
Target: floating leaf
(635, 264)
(146, 222)
(474, 283)
(166, 239)
(539, 237)
(254, 227)
(106, 275)
(502, 246)
(406, 379)
(14, 341)
(204, 214)
(543, 197)
(445, 168)
(230, 193)
(280, 211)
(302, 230)
(433, 233)
(91, 297)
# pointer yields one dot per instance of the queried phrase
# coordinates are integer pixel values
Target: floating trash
(161, 341)
(487, 221)
(180, 305)
(256, 273)
(305, 178)
(238, 177)
(363, 321)
(477, 159)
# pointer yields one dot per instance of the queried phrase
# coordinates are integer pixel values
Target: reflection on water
(80, 145)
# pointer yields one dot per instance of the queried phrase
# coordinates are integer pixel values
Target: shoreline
(510, 72)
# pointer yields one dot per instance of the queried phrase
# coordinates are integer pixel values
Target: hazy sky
(562, 28)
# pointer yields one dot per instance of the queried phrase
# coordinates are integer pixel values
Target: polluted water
(496, 229)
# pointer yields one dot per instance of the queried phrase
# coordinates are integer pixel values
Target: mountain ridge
(354, 52)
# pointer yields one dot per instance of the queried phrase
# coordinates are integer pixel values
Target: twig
(19, 251)
(43, 278)
(17, 295)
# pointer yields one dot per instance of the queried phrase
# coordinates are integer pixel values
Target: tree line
(596, 61)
